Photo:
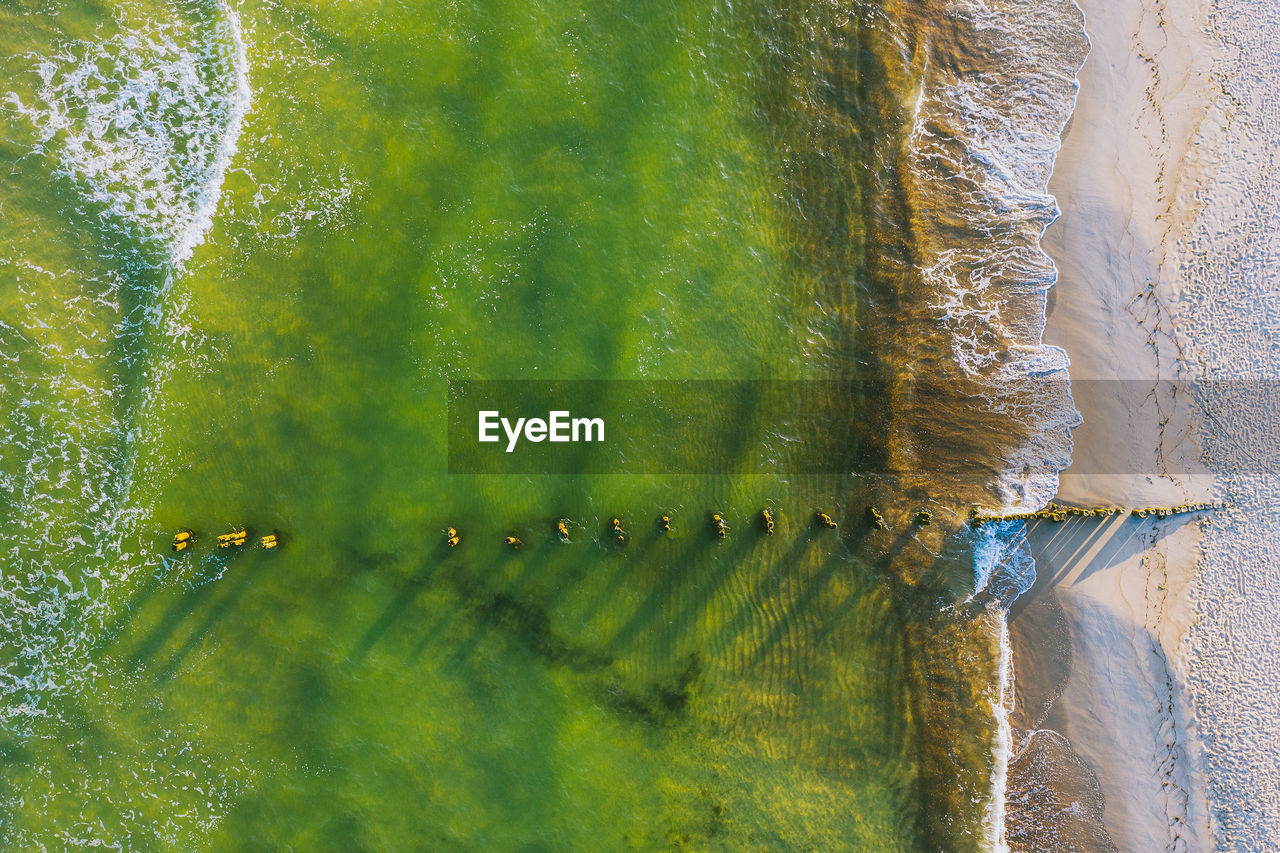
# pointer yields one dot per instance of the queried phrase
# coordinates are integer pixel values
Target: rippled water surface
(244, 250)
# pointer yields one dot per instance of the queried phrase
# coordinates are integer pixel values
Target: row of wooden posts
(1055, 512)
(237, 538)
(717, 524)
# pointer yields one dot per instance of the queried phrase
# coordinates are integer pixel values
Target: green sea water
(420, 194)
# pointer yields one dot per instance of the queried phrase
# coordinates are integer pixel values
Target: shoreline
(1101, 692)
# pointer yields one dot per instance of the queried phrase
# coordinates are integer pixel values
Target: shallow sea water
(417, 194)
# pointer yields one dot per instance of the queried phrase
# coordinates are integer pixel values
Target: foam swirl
(996, 85)
(145, 123)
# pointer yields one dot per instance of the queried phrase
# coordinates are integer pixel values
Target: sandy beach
(1119, 589)
(1119, 646)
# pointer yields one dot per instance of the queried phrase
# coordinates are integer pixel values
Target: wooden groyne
(719, 526)
(1058, 513)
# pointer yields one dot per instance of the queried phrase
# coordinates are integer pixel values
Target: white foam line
(996, 828)
(206, 204)
(1004, 744)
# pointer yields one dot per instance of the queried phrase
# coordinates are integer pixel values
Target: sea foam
(145, 123)
(997, 82)
(140, 127)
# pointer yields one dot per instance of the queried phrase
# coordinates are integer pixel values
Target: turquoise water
(221, 310)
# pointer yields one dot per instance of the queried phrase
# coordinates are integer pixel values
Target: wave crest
(146, 122)
(996, 86)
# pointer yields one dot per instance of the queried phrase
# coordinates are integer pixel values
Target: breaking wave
(143, 124)
(138, 128)
(996, 85)
(146, 122)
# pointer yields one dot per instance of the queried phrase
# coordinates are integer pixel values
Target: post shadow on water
(216, 611)
(528, 624)
(184, 604)
(527, 620)
(834, 619)
(805, 603)
(145, 591)
(726, 556)
(901, 540)
(676, 579)
(218, 597)
(691, 590)
(501, 606)
(766, 587)
(643, 552)
(534, 556)
(406, 592)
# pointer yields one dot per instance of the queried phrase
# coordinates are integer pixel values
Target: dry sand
(1100, 641)
(1151, 650)
(1230, 317)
